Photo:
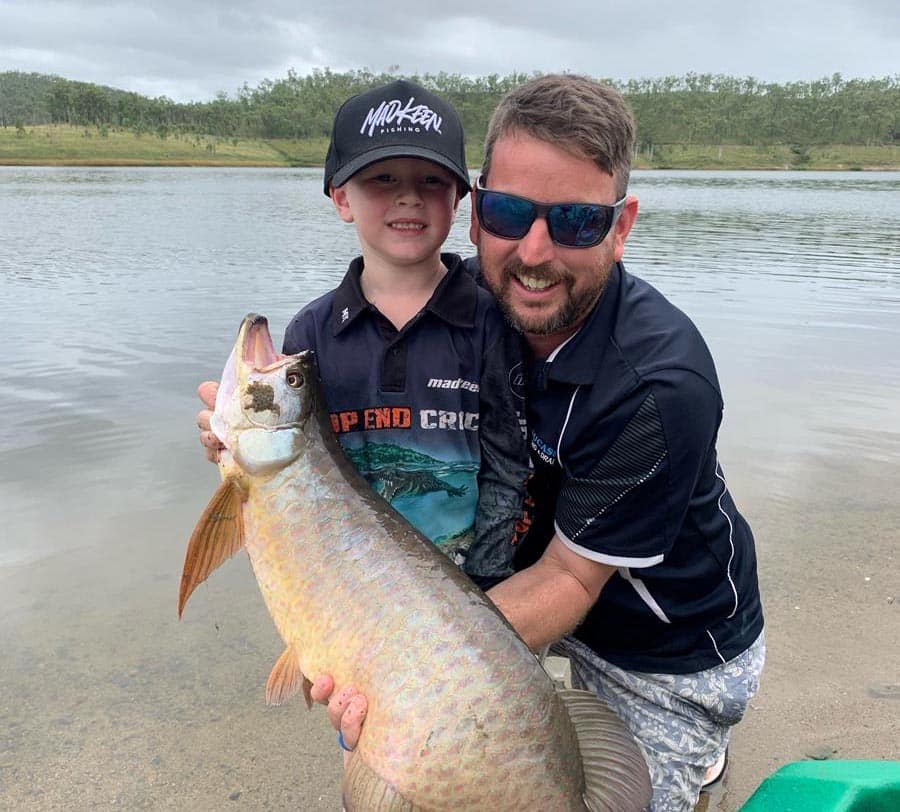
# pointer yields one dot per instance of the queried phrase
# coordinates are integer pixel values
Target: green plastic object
(829, 786)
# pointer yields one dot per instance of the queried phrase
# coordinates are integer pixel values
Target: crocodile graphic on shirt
(412, 483)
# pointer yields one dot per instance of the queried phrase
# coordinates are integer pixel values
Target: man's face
(545, 289)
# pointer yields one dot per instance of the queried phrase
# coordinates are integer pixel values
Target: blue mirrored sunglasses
(572, 225)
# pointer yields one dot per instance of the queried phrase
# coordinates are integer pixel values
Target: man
(637, 564)
(637, 558)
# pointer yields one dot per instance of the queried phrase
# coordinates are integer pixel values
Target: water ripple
(129, 284)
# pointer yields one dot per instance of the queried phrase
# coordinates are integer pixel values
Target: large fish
(461, 715)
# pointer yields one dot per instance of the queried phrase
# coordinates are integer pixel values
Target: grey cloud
(187, 49)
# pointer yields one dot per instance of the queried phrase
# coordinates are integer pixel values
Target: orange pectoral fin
(286, 679)
(218, 535)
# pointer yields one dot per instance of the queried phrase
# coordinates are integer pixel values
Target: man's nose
(536, 247)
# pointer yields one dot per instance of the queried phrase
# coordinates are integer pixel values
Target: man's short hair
(575, 113)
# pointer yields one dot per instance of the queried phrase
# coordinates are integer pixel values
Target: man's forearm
(549, 599)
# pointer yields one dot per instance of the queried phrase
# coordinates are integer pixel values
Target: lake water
(121, 289)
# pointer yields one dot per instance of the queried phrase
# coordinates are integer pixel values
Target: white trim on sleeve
(603, 558)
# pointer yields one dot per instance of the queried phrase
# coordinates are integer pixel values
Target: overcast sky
(192, 49)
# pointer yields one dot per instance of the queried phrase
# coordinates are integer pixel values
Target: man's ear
(341, 203)
(623, 225)
(473, 221)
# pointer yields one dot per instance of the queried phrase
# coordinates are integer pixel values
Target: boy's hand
(346, 708)
(211, 444)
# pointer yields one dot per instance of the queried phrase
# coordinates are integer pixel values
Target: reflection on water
(794, 279)
(123, 288)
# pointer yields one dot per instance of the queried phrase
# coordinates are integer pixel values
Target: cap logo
(394, 115)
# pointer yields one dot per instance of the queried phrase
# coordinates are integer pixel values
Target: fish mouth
(255, 342)
(253, 352)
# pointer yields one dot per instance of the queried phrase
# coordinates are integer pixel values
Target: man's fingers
(346, 709)
(322, 689)
(207, 393)
(338, 704)
(352, 720)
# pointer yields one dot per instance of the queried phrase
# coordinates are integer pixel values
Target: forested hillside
(28, 98)
(693, 109)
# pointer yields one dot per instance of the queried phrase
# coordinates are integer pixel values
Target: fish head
(264, 401)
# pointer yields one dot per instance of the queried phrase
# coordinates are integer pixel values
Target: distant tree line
(691, 109)
(706, 109)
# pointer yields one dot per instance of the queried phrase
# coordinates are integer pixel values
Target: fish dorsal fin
(218, 535)
(286, 679)
(615, 773)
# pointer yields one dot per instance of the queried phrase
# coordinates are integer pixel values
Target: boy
(416, 361)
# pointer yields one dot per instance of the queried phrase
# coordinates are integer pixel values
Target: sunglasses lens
(579, 225)
(574, 225)
(504, 215)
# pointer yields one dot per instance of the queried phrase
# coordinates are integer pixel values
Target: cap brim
(349, 169)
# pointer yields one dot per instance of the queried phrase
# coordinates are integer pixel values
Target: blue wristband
(342, 743)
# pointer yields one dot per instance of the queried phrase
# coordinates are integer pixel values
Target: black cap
(399, 120)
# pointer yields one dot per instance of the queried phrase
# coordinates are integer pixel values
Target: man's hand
(211, 444)
(346, 708)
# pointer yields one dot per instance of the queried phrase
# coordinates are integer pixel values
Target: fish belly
(461, 715)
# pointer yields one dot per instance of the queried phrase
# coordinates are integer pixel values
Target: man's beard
(573, 310)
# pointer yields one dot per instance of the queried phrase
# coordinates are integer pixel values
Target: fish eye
(294, 379)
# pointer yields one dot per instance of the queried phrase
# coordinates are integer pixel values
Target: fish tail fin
(366, 791)
(219, 534)
(286, 679)
(616, 778)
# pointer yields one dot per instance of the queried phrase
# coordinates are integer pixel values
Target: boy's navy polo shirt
(428, 414)
(623, 419)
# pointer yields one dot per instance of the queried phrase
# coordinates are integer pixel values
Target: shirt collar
(454, 300)
(349, 302)
(577, 360)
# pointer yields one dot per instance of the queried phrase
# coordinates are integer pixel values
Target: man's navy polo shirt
(428, 414)
(623, 420)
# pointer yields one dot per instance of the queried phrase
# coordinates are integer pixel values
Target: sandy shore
(107, 701)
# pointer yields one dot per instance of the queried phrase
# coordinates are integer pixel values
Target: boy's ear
(341, 203)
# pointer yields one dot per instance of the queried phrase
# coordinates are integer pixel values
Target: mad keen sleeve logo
(393, 114)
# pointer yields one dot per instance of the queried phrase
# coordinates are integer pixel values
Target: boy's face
(402, 208)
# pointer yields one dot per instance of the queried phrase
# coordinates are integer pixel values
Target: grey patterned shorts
(681, 721)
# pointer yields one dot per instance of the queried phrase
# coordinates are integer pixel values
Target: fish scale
(461, 716)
